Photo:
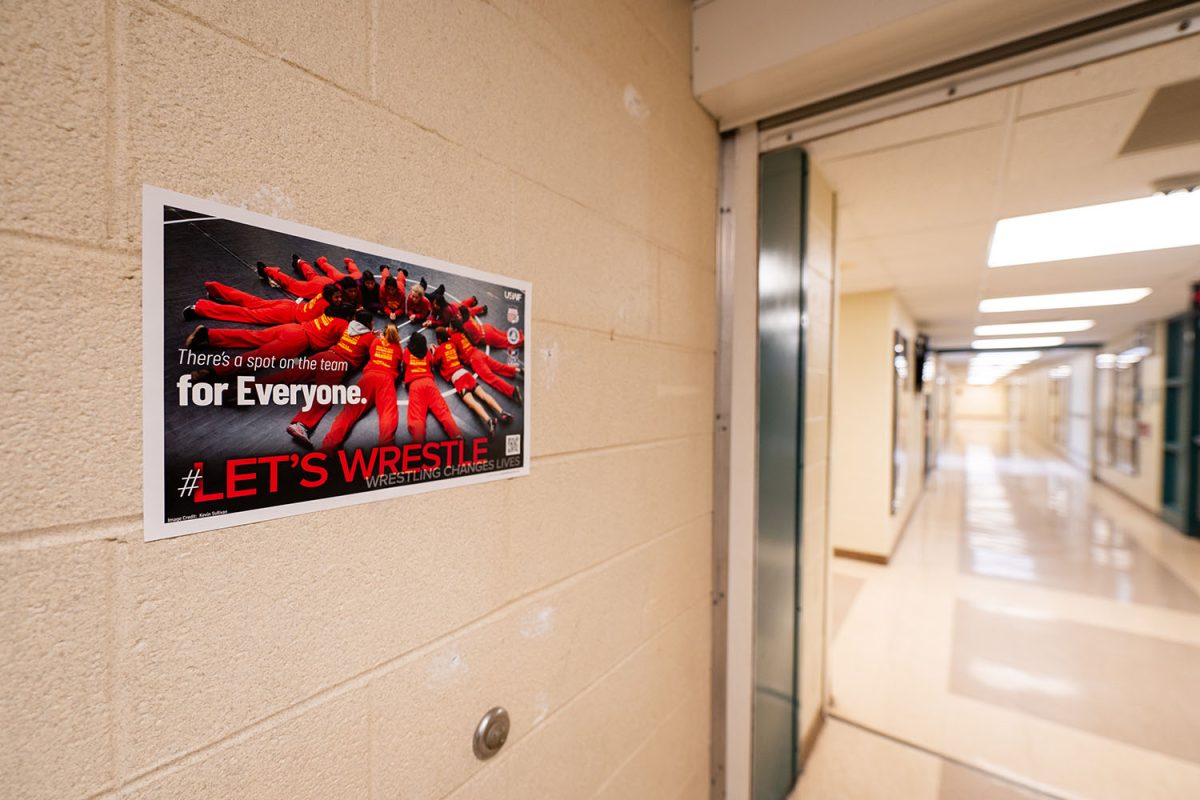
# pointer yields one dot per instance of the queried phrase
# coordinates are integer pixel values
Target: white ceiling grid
(919, 195)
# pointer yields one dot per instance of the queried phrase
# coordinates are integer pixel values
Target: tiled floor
(850, 763)
(1033, 625)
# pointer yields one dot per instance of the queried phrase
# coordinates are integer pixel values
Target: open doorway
(1026, 621)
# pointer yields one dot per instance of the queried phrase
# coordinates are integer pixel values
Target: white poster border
(154, 199)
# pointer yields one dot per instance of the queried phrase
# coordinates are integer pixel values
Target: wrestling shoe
(190, 313)
(296, 265)
(299, 431)
(197, 338)
(505, 418)
(517, 396)
(261, 269)
(491, 428)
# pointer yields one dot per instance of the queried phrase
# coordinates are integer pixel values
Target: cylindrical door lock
(491, 733)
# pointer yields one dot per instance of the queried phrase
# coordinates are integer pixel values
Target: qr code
(512, 445)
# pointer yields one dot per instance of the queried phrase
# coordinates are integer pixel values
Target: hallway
(1032, 624)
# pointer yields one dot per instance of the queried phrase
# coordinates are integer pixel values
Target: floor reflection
(1029, 519)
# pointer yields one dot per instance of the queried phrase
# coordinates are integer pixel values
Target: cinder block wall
(350, 653)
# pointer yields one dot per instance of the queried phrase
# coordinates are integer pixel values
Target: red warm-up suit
(239, 306)
(489, 334)
(310, 286)
(424, 398)
(446, 359)
(281, 341)
(378, 388)
(332, 367)
(487, 368)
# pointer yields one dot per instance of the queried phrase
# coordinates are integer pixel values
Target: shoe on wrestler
(197, 338)
(300, 432)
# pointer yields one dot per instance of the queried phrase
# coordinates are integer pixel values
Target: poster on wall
(287, 369)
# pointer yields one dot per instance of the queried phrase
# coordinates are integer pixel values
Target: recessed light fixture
(1129, 226)
(1041, 302)
(1023, 328)
(1009, 344)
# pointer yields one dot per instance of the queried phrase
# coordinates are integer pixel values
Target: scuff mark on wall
(538, 623)
(635, 104)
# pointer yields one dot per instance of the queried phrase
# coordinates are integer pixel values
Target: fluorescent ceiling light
(1008, 344)
(989, 366)
(1041, 302)
(1129, 226)
(1014, 360)
(1022, 328)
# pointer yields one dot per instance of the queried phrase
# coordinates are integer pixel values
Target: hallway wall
(1061, 417)
(981, 402)
(861, 521)
(1144, 485)
(816, 549)
(350, 653)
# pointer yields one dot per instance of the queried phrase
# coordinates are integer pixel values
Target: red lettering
(358, 464)
(478, 451)
(387, 459)
(429, 452)
(273, 472)
(233, 477)
(313, 464)
(411, 457)
(201, 495)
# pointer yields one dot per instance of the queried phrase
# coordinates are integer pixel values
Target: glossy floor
(1033, 625)
(850, 763)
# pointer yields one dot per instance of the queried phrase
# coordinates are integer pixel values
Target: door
(1181, 427)
(776, 703)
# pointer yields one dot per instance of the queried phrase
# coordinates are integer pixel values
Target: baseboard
(858, 555)
(810, 739)
(1154, 512)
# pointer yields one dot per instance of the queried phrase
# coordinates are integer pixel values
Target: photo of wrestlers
(299, 370)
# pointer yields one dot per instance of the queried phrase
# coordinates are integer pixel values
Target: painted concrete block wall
(1038, 417)
(913, 418)
(861, 520)
(819, 291)
(988, 402)
(350, 653)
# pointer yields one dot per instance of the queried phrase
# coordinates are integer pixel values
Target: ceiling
(754, 58)
(919, 195)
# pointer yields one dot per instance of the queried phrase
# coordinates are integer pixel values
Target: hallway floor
(1033, 625)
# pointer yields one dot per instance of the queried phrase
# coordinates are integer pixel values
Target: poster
(288, 369)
